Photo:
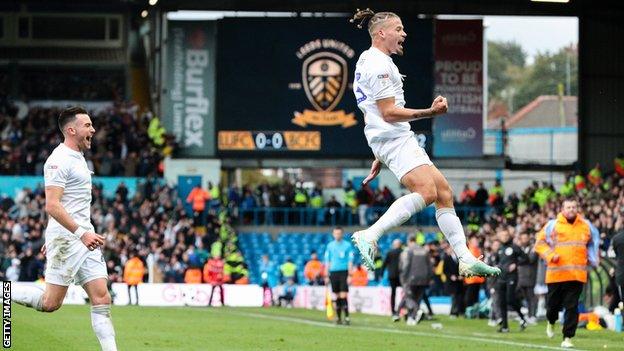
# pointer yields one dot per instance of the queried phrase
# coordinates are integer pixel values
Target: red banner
(458, 72)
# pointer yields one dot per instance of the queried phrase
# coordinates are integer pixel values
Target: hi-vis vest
(576, 244)
(133, 271)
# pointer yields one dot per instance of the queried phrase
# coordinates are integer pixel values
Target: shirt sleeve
(55, 173)
(327, 254)
(380, 82)
(542, 247)
(593, 245)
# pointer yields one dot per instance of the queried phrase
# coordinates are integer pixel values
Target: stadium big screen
(284, 86)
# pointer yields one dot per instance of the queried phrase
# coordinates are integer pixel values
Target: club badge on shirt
(51, 171)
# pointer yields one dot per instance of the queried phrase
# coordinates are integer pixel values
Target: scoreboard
(284, 86)
(234, 140)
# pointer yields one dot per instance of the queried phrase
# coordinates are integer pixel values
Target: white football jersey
(376, 78)
(67, 168)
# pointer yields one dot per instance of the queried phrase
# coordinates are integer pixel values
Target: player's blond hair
(374, 19)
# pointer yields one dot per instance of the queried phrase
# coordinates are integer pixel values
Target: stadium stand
(123, 145)
(155, 223)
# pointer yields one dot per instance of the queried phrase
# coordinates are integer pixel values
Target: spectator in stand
(31, 266)
(388, 196)
(314, 270)
(467, 195)
(350, 200)
(193, 275)
(359, 276)
(26, 142)
(595, 175)
(288, 295)
(215, 196)
(13, 271)
(365, 198)
(133, 275)
(213, 275)
(234, 270)
(288, 270)
(316, 203)
(333, 210)
(198, 198)
(497, 195)
(301, 196)
(618, 163)
(391, 264)
(481, 196)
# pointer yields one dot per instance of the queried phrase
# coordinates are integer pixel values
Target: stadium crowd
(176, 245)
(152, 224)
(128, 142)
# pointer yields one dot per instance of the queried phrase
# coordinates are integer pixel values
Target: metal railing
(306, 216)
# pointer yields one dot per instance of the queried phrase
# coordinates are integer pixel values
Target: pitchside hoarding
(284, 86)
(189, 86)
(458, 71)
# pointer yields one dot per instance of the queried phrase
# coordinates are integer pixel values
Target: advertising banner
(189, 86)
(458, 72)
(370, 299)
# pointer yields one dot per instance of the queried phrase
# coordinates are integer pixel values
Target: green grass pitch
(192, 328)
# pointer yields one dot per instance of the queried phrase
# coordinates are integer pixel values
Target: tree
(546, 73)
(506, 64)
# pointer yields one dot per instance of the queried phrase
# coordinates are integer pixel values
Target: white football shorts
(401, 155)
(70, 261)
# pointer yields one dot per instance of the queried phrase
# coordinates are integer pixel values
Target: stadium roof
(607, 8)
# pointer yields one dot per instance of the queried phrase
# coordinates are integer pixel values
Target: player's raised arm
(391, 113)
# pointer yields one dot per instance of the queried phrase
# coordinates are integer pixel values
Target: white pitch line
(396, 331)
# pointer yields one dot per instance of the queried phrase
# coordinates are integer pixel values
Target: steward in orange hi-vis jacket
(567, 244)
(133, 273)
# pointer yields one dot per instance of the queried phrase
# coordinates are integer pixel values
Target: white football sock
(452, 228)
(103, 327)
(400, 211)
(29, 296)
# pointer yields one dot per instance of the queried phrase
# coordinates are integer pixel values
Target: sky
(534, 34)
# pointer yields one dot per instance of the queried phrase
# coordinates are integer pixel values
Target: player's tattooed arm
(392, 113)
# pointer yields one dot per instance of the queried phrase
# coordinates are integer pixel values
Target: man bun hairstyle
(68, 115)
(374, 19)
